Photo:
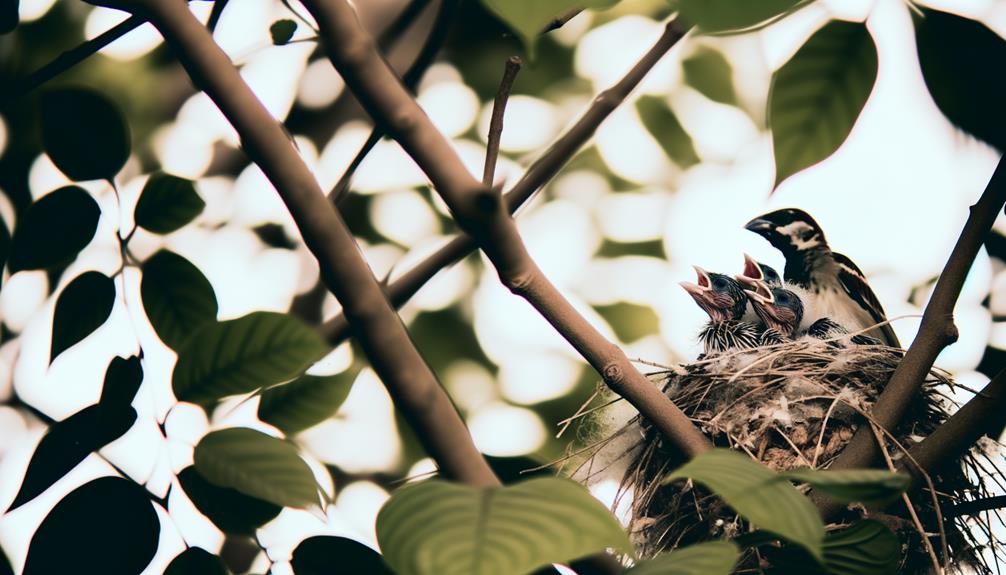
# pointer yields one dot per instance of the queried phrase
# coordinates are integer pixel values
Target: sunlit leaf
(442, 528)
(722, 15)
(854, 485)
(243, 355)
(9, 15)
(177, 297)
(962, 62)
(105, 526)
(529, 18)
(257, 465)
(709, 72)
(68, 442)
(865, 548)
(667, 130)
(712, 558)
(817, 96)
(765, 498)
(54, 229)
(306, 401)
(122, 380)
(281, 31)
(167, 203)
(82, 307)
(630, 321)
(196, 561)
(230, 510)
(84, 133)
(327, 555)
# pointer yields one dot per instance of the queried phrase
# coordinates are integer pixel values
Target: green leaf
(865, 548)
(306, 401)
(196, 561)
(664, 126)
(709, 72)
(630, 321)
(243, 355)
(530, 18)
(177, 297)
(316, 556)
(962, 62)
(869, 486)
(84, 133)
(765, 498)
(281, 31)
(723, 15)
(54, 229)
(712, 558)
(441, 528)
(167, 203)
(817, 96)
(230, 510)
(257, 465)
(122, 380)
(82, 307)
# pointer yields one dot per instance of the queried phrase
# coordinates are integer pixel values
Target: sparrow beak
(751, 269)
(759, 225)
(700, 290)
(759, 294)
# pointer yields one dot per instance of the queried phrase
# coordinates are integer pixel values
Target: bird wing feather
(854, 283)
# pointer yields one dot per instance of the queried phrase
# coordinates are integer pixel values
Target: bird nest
(790, 405)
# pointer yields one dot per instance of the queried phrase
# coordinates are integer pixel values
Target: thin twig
(69, 59)
(215, 13)
(496, 123)
(977, 506)
(376, 326)
(937, 330)
(481, 213)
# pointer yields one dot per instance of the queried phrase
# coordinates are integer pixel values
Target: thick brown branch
(480, 212)
(496, 122)
(936, 332)
(376, 326)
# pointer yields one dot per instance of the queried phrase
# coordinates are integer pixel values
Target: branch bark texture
(481, 212)
(374, 323)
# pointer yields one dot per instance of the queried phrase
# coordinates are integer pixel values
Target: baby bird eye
(783, 298)
(719, 283)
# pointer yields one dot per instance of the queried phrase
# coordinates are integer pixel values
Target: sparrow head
(779, 308)
(718, 295)
(791, 231)
(757, 271)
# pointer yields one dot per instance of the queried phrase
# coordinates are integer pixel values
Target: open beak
(752, 269)
(699, 290)
(757, 291)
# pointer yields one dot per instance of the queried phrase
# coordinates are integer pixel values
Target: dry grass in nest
(790, 405)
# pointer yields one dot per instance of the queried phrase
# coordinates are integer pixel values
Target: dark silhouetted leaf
(962, 62)
(177, 297)
(709, 72)
(68, 442)
(722, 15)
(441, 528)
(865, 548)
(167, 203)
(54, 229)
(869, 486)
(817, 96)
(230, 510)
(84, 133)
(82, 307)
(243, 355)
(765, 498)
(108, 523)
(196, 561)
(9, 15)
(5, 246)
(281, 31)
(5, 567)
(712, 558)
(306, 401)
(258, 465)
(529, 18)
(327, 555)
(667, 130)
(122, 380)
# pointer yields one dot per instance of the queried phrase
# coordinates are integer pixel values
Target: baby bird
(779, 309)
(723, 299)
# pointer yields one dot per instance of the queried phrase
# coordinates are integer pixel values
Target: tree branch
(481, 213)
(937, 330)
(336, 330)
(377, 328)
(496, 122)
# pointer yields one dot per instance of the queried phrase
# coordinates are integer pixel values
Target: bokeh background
(668, 181)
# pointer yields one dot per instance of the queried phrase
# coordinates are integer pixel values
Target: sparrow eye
(719, 283)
